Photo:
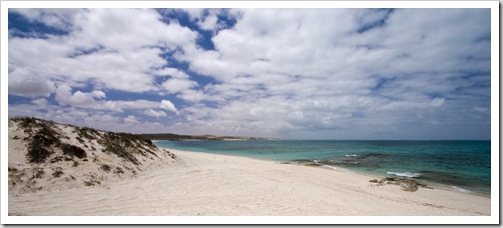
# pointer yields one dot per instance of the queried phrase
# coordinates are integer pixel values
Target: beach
(202, 184)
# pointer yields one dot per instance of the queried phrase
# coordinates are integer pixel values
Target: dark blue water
(462, 165)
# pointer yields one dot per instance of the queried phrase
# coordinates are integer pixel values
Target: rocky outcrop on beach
(44, 155)
(406, 184)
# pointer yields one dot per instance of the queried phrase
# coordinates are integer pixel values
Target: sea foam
(405, 174)
(460, 189)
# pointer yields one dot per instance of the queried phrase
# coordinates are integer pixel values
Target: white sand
(75, 171)
(206, 184)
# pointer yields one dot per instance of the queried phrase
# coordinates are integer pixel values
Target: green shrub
(86, 132)
(118, 170)
(80, 139)
(118, 144)
(37, 153)
(24, 122)
(91, 182)
(105, 168)
(37, 173)
(40, 143)
(57, 172)
(73, 150)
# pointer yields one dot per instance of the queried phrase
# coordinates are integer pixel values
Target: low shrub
(37, 173)
(37, 153)
(80, 139)
(40, 144)
(57, 172)
(73, 150)
(105, 168)
(91, 182)
(118, 145)
(118, 170)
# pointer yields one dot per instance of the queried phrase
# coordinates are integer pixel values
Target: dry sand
(206, 184)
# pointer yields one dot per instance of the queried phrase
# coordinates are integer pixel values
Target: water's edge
(372, 175)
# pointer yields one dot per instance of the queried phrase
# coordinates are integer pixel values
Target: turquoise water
(462, 165)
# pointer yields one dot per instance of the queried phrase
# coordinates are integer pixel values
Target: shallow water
(461, 165)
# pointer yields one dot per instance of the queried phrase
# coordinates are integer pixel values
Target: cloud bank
(294, 73)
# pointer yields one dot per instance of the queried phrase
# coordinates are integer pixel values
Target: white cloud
(98, 94)
(209, 23)
(131, 119)
(290, 72)
(194, 13)
(64, 96)
(26, 82)
(41, 102)
(168, 105)
(437, 102)
(157, 114)
(173, 72)
(292, 56)
(58, 18)
(144, 23)
(176, 85)
(121, 105)
(114, 60)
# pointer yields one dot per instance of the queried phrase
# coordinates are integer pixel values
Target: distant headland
(175, 137)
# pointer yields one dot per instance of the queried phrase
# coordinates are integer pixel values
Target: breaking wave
(405, 174)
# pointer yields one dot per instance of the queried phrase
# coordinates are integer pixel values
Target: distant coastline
(175, 137)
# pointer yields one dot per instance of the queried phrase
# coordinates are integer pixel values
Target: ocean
(460, 165)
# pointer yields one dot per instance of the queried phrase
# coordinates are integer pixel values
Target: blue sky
(290, 73)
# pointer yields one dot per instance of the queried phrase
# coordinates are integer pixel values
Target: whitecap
(351, 155)
(405, 174)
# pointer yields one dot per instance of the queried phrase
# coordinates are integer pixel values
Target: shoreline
(225, 185)
(370, 175)
(335, 168)
(349, 172)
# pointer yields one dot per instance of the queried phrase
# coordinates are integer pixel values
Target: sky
(288, 73)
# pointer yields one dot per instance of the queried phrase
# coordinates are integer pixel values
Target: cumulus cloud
(64, 96)
(58, 18)
(157, 114)
(209, 23)
(338, 73)
(121, 105)
(113, 60)
(98, 94)
(131, 119)
(176, 85)
(356, 73)
(165, 104)
(173, 72)
(206, 19)
(26, 82)
(41, 102)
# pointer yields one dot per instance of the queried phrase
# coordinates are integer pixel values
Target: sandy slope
(206, 184)
(61, 172)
